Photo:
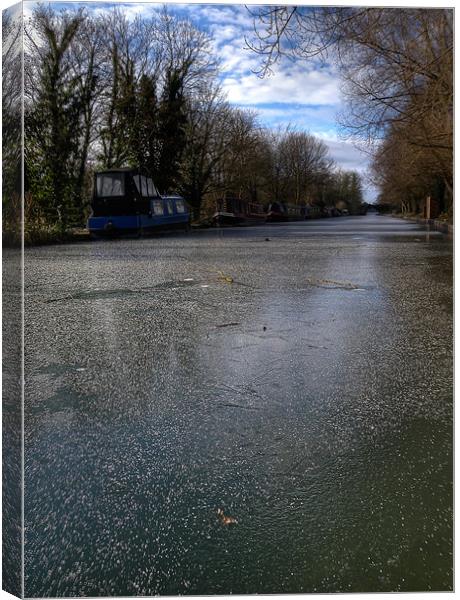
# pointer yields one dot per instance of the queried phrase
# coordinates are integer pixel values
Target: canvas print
(227, 299)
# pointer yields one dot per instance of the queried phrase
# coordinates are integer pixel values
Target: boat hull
(115, 226)
(222, 219)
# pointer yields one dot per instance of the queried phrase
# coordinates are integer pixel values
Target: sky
(302, 94)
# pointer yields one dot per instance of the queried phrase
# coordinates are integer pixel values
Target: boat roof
(122, 170)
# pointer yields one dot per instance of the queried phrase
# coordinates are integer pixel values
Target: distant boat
(235, 211)
(312, 211)
(283, 211)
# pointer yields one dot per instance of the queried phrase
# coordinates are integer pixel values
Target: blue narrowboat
(126, 202)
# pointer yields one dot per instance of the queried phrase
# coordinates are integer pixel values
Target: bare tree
(87, 64)
(242, 143)
(305, 163)
(396, 65)
(187, 50)
(206, 145)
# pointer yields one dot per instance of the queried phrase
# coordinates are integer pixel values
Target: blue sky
(304, 94)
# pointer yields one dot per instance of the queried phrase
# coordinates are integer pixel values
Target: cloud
(347, 155)
(130, 10)
(219, 15)
(350, 158)
(301, 82)
(286, 85)
(303, 117)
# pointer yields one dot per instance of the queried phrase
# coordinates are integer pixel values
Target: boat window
(170, 207)
(151, 187)
(112, 184)
(180, 206)
(137, 181)
(157, 207)
(144, 186)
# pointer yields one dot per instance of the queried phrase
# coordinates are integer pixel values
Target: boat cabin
(123, 192)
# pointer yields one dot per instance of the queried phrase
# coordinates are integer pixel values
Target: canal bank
(433, 224)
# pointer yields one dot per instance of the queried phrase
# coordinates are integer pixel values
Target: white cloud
(292, 82)
(290, 85)
(130, 10)
(346, 155)
(350, 158)
(235, 15)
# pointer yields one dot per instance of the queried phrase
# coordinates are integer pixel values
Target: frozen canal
(297, 376)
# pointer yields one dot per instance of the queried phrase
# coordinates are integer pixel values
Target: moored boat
(277, 212)
(236, 211)
(126, 202)
(283, 211)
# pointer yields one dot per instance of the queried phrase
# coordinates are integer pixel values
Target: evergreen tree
(172, 120)
(53, 123)
(145, 140)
